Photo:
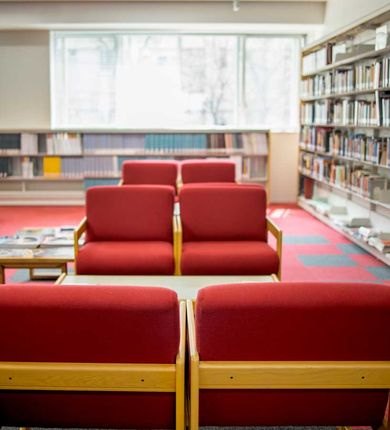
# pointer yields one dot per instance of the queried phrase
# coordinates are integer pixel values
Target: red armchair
(129, 231)
(91, 356)
(152, 172)
(224, 231)
(290, 354)
(193, 171)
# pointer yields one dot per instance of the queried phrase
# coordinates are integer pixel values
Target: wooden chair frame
(80, 229)
(178, 242)
(168, 378)
(278, 234)
(277, 374)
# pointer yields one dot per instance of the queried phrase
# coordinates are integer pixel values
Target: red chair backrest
(134, 212)
(223, 213)
(208, 171)
(294, 321)
(88, 324)
(153, 172)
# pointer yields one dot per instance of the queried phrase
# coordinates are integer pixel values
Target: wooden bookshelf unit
(56, 166)
(344, 159)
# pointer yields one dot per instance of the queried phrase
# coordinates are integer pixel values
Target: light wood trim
(278, 234)
(180, 371)
(295, 375)
(87, 377)
(80, 229)
(120, 183)
(60, 279)
(386, 418)
(194, 368)
(178, 242)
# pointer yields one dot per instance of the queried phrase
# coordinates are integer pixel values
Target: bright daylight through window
(127, 80)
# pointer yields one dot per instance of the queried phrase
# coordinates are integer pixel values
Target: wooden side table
(46, 260)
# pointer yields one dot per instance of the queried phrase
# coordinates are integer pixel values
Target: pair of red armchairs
(166, 172)
(222, 230)
(274, 354)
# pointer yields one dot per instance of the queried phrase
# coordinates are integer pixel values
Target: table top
(186, 287)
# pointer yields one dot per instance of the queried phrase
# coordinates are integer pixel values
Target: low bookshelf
(56, 167)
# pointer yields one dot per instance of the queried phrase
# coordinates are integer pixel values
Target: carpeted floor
(311, 252)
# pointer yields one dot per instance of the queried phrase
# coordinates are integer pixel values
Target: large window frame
(239, 104)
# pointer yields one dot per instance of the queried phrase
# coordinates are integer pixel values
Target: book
(54, 241)
(20, 242)
(51, 166)
(60, 252)
(381, 242)
(25, 253)
(381, 37)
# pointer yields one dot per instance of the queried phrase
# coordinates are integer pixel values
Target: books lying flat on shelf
(20, 242)
(381, 242)
(347, 220)
(366, 232)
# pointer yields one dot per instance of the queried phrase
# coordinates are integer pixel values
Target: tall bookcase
(344, 160)
(55, 167)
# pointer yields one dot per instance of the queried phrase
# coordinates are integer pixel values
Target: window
(128, 80)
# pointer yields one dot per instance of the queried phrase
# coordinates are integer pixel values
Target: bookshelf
(56, 167)
(344, 154)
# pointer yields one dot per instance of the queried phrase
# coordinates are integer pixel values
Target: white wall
(340, 13)
(24, 80)
(284, 167)
(14, 15)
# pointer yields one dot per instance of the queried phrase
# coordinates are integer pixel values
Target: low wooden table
(44, 261)
(186, 287)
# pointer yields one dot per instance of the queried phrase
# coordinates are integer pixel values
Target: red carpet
(312, 251)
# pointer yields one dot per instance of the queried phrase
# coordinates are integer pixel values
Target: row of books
(35, 144)
(365, 113)
(358, 179)
(252, 143)
(103, 166)
(358, 147)
(367, 75)
(253, 168)
(89, 143)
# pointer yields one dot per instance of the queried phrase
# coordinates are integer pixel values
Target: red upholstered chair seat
(88, 324)
(229, 258)
(126, 258)
(296, 322)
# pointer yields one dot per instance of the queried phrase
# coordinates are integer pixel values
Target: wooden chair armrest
(191, 330)
(177, 242)
(80, 229)
(194, 368)
(278, 234)
(180, 370)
